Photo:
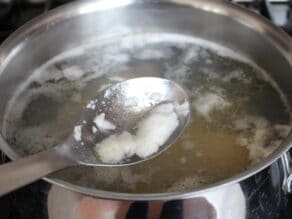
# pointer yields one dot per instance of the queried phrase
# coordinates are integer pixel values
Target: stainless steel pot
(258, 192)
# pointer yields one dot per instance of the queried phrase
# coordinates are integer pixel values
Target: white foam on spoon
(103, 124)
(152, 132)
(77, 132)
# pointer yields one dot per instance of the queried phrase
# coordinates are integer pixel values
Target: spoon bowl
(117, 108)
(124, 105)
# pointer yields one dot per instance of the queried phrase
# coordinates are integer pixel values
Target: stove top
(278, 11)
(26, 203)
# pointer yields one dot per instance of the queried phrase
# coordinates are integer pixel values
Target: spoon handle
(26, 170)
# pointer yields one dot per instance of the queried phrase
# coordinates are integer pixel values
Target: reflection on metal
(103, 5)
(227, 203)
(287, 166)
(271, 1)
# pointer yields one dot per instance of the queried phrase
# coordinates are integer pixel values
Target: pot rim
(276, 36)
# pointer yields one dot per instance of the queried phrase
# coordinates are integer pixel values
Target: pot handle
(287, 166)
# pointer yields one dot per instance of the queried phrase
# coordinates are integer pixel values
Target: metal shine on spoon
(125, 103)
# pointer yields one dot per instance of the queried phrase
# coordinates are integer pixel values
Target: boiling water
(238, 115)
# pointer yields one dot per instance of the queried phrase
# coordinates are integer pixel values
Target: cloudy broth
(239, 116)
